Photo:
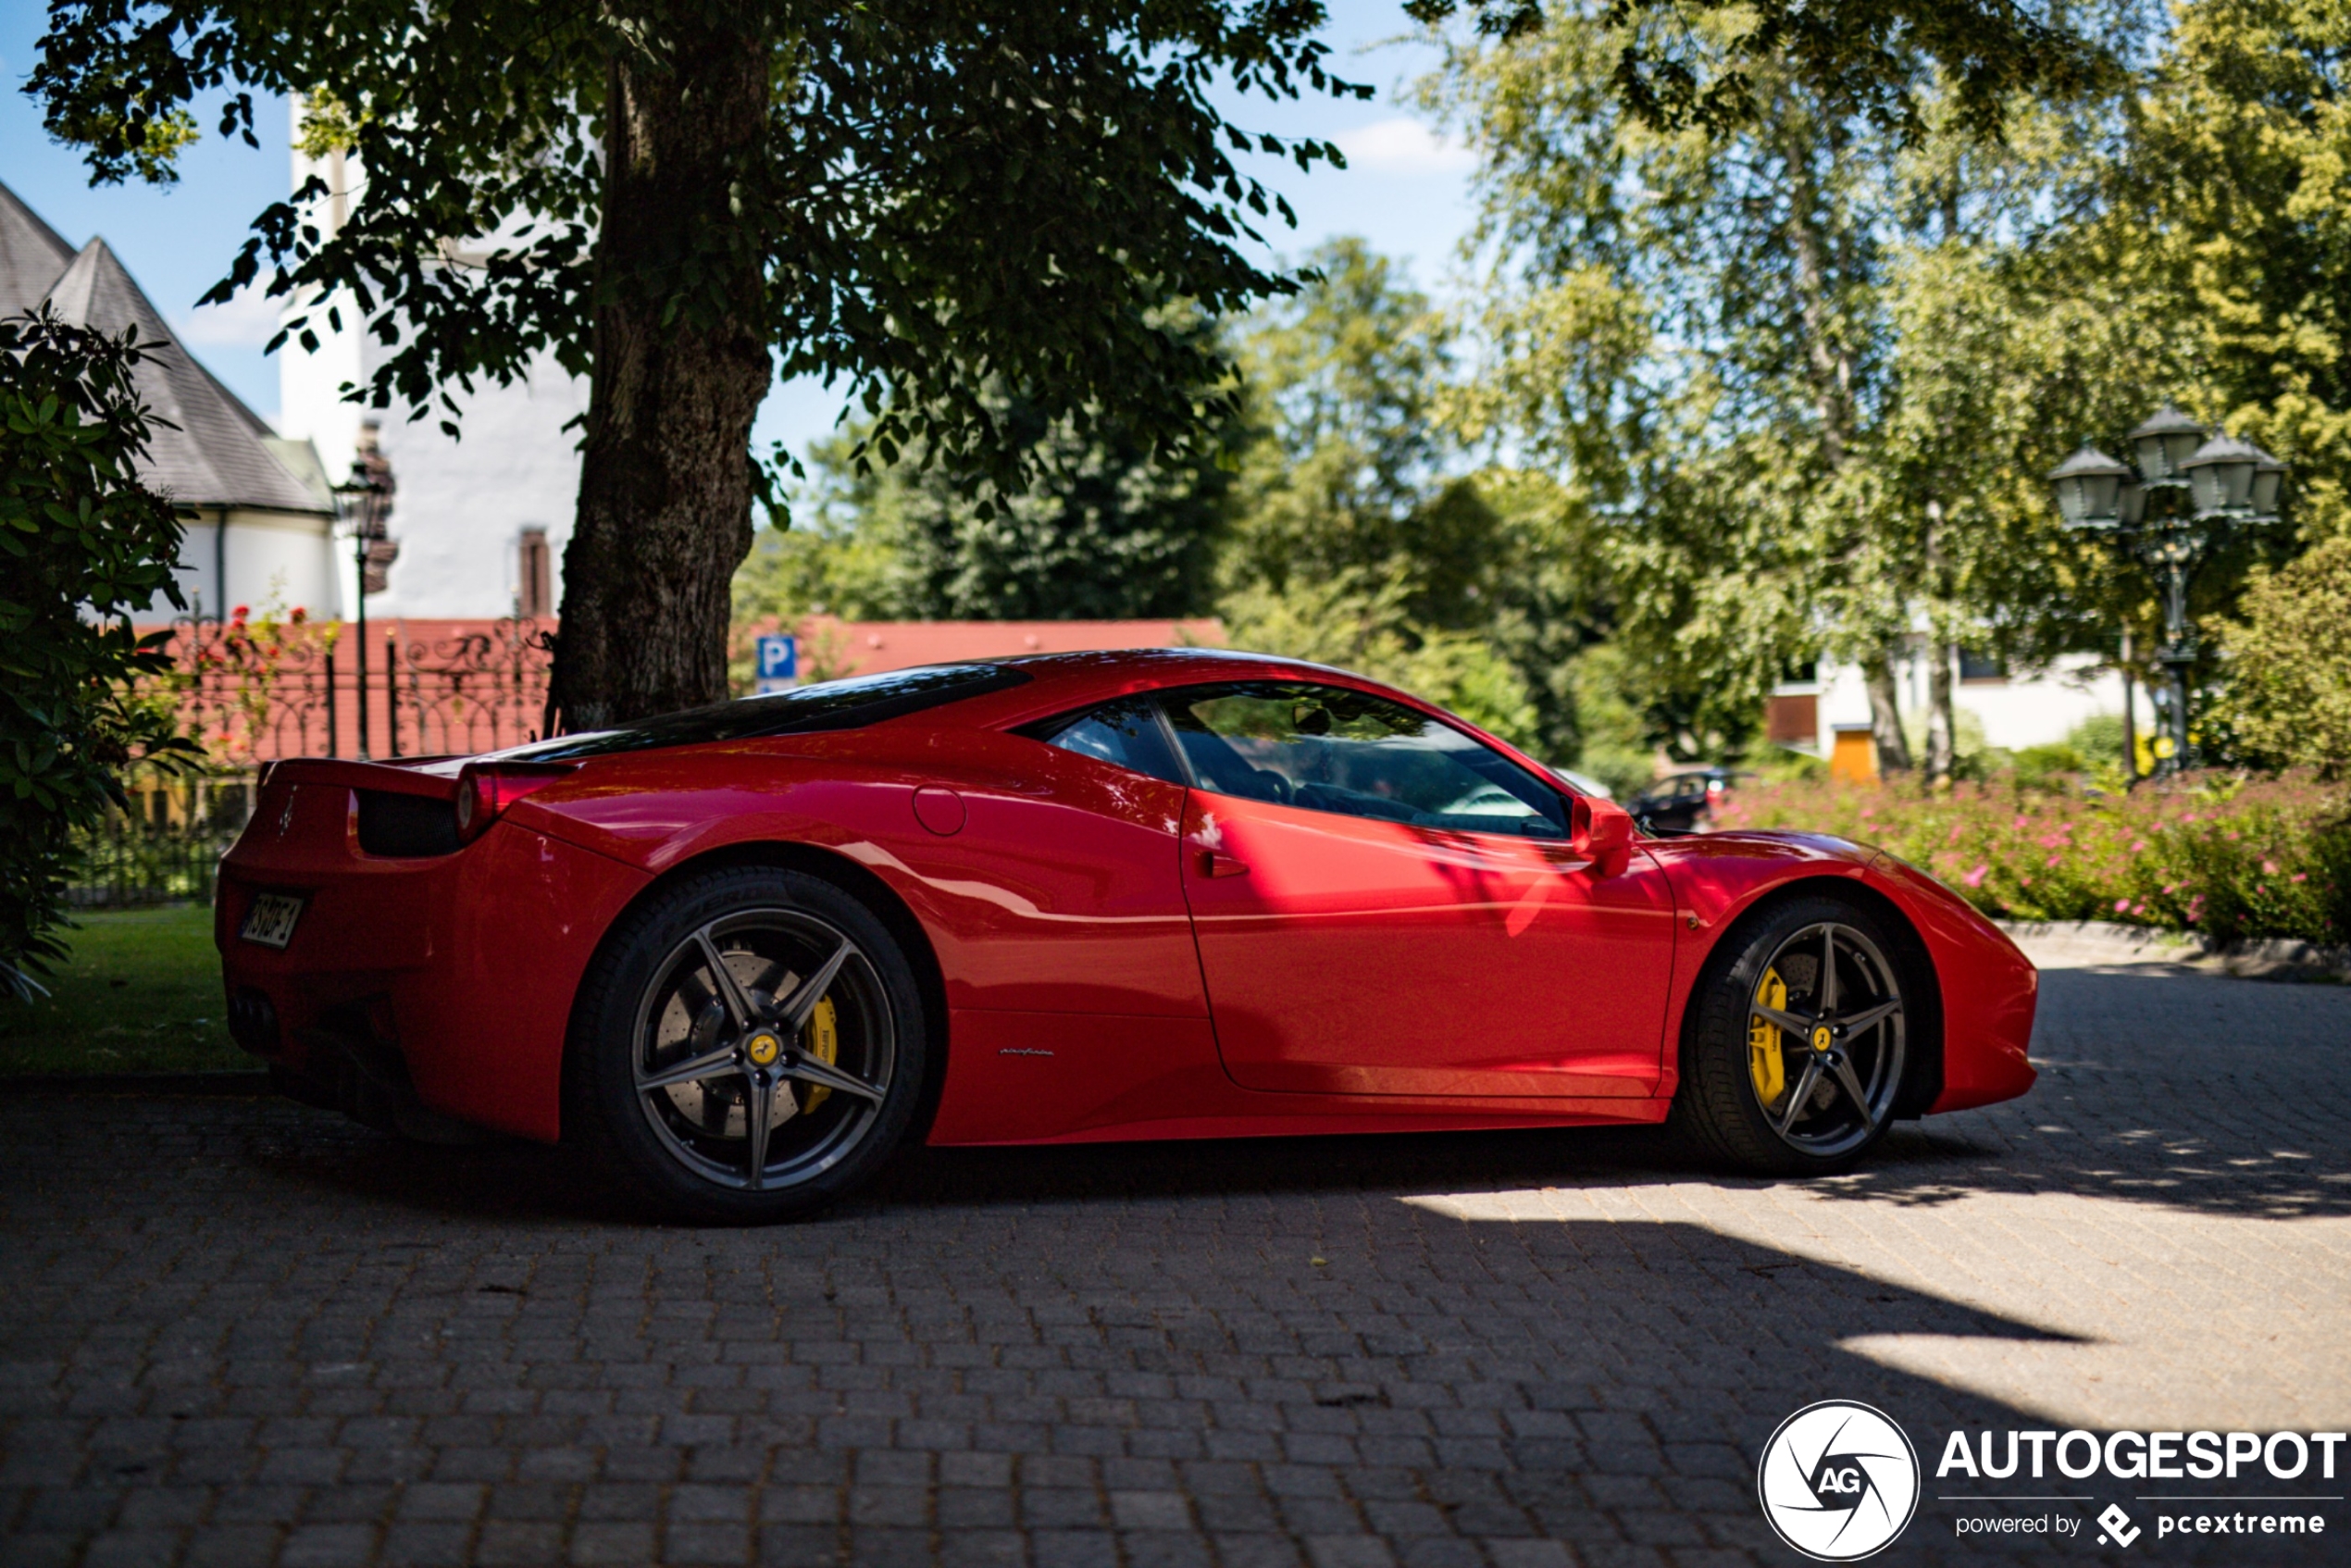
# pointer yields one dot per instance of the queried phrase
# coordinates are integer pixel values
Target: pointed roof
(32, 255)
(218, 456)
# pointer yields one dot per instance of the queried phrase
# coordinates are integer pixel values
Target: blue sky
(1405, 191)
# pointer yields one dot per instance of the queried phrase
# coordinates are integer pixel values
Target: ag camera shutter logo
(1839, 1480)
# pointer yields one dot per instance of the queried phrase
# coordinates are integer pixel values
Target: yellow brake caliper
(820, 1036)
(1764, 1062)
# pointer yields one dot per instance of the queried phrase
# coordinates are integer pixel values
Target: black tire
(654, 1007)
(1837, 1086)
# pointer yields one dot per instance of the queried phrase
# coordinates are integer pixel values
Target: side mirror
(1601, 832)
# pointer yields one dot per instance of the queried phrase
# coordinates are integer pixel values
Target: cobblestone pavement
(241, 1332)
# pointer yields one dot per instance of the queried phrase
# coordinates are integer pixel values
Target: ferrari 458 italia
(738, 954)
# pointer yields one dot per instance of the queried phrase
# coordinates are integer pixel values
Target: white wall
(462, 505)
(2016, 711)
(275, 560)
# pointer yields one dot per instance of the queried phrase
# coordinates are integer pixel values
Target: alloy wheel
(764, 1049)
(1826, 1040)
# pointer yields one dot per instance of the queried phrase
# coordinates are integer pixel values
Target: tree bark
(1886, 716)
(1942, 715)
(1942, 711)
(681, 364)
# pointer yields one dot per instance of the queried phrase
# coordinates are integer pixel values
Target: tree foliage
(83, 546)
(2289, 694)
(940, 192)
(1356, 538)
(1674, 65)
(966, 212)
(1812, 368)
(2228, 219)
(1681, 325)
(1102, 530)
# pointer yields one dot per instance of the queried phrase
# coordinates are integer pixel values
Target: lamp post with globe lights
(2189, 489)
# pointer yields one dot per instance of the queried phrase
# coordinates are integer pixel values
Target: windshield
(832, 704)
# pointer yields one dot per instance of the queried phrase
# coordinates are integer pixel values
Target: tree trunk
(1942, 716)
(1886, 716)
(680, 365)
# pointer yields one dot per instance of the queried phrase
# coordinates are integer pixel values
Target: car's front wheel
(750, 1045)
(1793, 1054)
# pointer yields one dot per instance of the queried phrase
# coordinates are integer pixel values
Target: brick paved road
(244, 1333)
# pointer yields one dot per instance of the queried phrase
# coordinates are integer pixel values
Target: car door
(1386, 905)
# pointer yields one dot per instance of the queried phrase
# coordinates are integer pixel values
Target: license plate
(271, 919)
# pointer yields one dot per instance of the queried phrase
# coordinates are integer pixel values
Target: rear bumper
(449, 977)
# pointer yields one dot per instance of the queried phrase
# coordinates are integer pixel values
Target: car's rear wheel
(1793, 1057)
(750, 1046)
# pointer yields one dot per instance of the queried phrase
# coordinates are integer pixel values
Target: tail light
(486, 790)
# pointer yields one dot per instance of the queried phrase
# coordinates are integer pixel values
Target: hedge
(2216, 855)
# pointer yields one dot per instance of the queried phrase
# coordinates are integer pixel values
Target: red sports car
(741, 953)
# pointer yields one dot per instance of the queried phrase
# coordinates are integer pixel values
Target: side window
(1126, 732)
(1328, 748)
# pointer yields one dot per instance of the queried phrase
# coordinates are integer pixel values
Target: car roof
(1059, 683)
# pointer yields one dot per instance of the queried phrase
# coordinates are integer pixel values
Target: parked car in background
(1683, 802)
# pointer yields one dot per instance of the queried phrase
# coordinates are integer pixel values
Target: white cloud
(247, 321)
(1403, 146)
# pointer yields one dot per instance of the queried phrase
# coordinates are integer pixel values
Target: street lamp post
(2188, 489)
(363, 503)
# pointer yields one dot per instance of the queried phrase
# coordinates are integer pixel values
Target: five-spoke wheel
(1794, 1050)
(766, 1032)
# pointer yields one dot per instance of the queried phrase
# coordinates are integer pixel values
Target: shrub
(83, 546)
(2288, 695)
(2270, 859)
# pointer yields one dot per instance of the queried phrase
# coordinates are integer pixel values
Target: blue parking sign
(778, 663)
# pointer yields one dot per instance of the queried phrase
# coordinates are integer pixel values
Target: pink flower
(2122, 905)
(2270, 866)
(1975, 877)
(2302, 876)
(2138, 846)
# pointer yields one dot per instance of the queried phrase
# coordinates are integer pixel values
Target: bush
(2270, 859)
(2287, 699)
(83, 546)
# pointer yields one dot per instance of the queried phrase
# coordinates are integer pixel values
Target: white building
(262, 534)
(481, 519)
(1830, 716)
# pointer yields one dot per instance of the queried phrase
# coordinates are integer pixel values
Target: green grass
(141, 993)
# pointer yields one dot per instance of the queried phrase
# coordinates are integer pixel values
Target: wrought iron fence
(165, 849)
(471, 690)
(255, 690)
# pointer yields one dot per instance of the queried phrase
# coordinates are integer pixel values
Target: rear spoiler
(434, 777)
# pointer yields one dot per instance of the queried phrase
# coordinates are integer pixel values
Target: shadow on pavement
(2203, 1094)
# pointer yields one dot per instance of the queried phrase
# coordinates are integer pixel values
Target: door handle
(1213, 864)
